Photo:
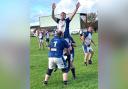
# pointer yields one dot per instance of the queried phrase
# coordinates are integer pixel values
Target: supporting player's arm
(77, 7)
(53, 10)
(82, 38)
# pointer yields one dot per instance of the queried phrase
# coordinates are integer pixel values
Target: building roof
(35, 24)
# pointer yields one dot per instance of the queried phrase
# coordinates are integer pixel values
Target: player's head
(90, 28)
(59, 33)
(62, 15)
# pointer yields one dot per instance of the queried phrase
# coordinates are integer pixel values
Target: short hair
(59, 33)
(63, 13)
(91, 25)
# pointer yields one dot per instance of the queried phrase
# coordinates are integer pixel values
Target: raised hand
(53, 6)
(77, 5)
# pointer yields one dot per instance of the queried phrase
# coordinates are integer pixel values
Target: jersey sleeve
(68, 20)
(58, 20)
(86, 34)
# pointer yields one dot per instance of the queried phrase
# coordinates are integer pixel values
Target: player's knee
(86, 54)
(71, 64)
(92, 52)
(72, 67)
(49, 72)
(65, 70)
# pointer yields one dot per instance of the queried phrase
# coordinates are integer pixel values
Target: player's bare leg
(47, 76)
(73, 70)
(43, 45)
(39, 45)
(47, 43)
(45, 82)
(90, 57)
(65, 78)
(86, 58)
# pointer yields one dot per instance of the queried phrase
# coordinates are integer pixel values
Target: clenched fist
(53, 6)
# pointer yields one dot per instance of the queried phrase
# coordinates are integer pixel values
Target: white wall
(46, 21)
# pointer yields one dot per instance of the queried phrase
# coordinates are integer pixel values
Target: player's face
(90, 29)
(63, 16)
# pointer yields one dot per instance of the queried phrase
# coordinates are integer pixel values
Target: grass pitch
(87, 76)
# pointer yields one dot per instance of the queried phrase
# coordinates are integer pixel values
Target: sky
(43, 7)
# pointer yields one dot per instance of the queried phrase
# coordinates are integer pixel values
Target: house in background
(76, 24)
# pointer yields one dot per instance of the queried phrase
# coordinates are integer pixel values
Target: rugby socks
(85, 63)
(65, 82)
(45, 82)
(73, 72)
(90, 61)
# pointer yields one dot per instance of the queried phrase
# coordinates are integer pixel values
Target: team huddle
(61, 47)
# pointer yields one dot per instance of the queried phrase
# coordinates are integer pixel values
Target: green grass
(87, 77)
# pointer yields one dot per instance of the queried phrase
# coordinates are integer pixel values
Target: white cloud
(65, 6)
(87, 3)
(69, 5)
(88, 6)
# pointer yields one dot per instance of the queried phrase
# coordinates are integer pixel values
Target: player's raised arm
(77, 7)
(53, 10)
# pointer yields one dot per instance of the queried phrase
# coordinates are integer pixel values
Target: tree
(91, 17)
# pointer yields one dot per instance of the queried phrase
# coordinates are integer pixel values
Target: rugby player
(87, 40)
(40, 38)
(63, 24)
(56, 47)
(47, 38)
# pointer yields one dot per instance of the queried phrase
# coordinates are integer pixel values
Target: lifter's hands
(53, 6)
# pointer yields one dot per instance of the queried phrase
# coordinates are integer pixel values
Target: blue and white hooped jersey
(47, 34)
(63, 25)
(87, 38)
(40, 35)
(57, 46)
